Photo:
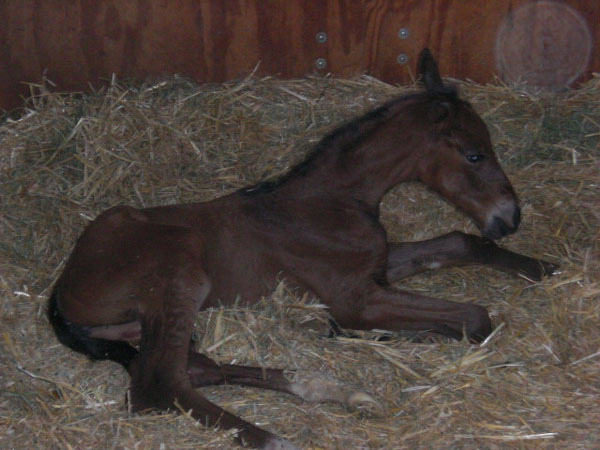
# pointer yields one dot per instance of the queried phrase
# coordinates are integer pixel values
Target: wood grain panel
(77, 42)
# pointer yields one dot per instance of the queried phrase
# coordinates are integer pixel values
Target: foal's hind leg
(457, 249)
(310, 386)
(159, 376)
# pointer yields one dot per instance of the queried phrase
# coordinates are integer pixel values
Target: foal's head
(459, 162)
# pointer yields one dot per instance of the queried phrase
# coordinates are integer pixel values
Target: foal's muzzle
(502, 224)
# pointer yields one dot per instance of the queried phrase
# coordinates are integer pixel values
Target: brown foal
(137, 277)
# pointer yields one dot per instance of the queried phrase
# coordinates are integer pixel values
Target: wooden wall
(76, 42)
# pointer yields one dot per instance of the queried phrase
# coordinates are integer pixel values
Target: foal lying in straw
(136, 278)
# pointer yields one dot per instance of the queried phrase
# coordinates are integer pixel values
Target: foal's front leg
(459, 249)
(385, 308)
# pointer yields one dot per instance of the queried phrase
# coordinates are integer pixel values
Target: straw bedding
(534, 384)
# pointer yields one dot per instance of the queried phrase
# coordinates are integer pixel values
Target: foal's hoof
(361, 401)
(319, 387)
(548, 269)
(539, 269)
(479, 325)
(279, 444)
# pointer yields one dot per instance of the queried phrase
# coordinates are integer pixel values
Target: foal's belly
(243, 284)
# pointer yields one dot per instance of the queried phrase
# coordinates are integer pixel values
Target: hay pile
(535, 383)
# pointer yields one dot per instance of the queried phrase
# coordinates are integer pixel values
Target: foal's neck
(379, 156)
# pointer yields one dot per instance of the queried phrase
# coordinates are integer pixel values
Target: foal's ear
(428, 71)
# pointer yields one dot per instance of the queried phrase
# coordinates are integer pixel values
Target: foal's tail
(77, 338)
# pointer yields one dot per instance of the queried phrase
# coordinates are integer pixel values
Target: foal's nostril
(501, 226)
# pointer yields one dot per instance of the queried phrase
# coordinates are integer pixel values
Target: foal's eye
(475, 158)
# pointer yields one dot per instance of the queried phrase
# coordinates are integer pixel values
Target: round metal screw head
(402, 58)
(320, 63)
(403, 33)
(321, 37)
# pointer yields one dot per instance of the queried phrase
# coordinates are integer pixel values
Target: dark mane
(344, 138)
